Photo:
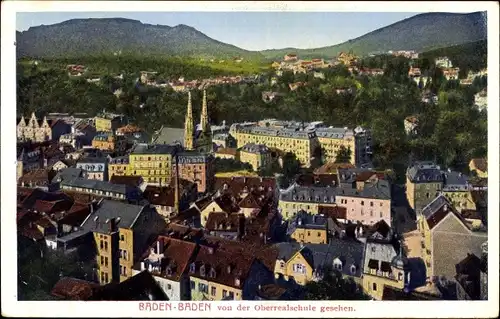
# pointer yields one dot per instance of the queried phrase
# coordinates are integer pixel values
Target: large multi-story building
(119, 232)
(95, 167)
(118, 166)
(106, 141)
(424, 181)
(108, 122)
(198, 168)
(306, 140)
(257, 155)
(153, 162)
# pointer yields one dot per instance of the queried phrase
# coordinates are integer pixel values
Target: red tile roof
(225, 222)
(227, 151)
(331, 168)
(164, 195)
(68, 288)
(177, 255)
(441, 213)
(222, 267)
(227, 204)
(313, 179)
(236, 185)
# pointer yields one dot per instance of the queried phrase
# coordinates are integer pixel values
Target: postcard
(250, 159)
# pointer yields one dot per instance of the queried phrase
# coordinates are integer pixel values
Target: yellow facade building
(303, 263)
(297, 198)
(424, 182)
(257, 155)
(106, 141)
(152, 162)
(118, 166)
(307, 142)
(109, 122)
(480, 166)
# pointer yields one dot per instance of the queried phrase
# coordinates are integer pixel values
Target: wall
(126, 243)
(300, 278)
(330, 147)
(212, 207)
(370, 279)
(361, 209)
(312, 236)
(461, 200)
(154, 168)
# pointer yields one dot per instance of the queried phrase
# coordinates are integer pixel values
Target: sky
(247, 30)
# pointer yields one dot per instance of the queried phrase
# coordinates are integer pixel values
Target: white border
(10, 305)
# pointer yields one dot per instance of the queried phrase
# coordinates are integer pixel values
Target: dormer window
(192, 268)
(237, 282)
(168, 271)
(212, 273)
(202, 270)
(337, 264)
(353, 269)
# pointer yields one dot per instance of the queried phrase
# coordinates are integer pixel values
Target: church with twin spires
(198, 138)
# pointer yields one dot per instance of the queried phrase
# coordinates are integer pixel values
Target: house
(218, 273)
(457, 190)
(198, 168)
(128, 129)
(367, 202)
(167, 260)
(68, 174)
(414, 72)
(384, 266)
(308, 228)
(443, 227)
(229, 226)
(102, 188)
(130, 180)
(290, 57)
(153, 162)
(162, 198)
(108, 122)
(332, 168)
(220, 204)
(257, 155)
(481, 100)
(95, 168)
(451, 73)
(62, 164)
(40, 178)
(118, 166)
(302, 263)
(411, 124)
(480, 166)
(224, 140)
(424, 181)
(106, 141)
(239, 187)
(471, 278)
(443, 62)
(296, 198)
(118, 233)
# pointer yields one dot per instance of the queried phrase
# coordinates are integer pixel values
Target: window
(231, 295)
(101, 244)
(299, 268)
(381, 214)
(102, 260)
(193, 285)
(106, 246)
(374, 287)
(371, 204)
(400, 276)
(381, 204)
(106, 261)
(106, 278)
(122, 237)
(282, 264)
(124, 270)
(319, 234)
(224, 293)
(362, 203)
(102, 276)
(121, 269)
(427, 195)
(125, 256)
(213, 290)
(308, 233)
(371, 214)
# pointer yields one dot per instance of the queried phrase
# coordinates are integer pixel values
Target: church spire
(205, 126)
(189, 126)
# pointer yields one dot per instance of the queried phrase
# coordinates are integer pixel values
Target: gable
(299, 258)
(212, 207)
(451, 223)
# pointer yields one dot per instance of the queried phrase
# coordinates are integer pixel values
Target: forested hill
(470, 56)
(80, 37)
(422, 32)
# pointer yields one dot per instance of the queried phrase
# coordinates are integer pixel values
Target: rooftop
(93, 184)
(155, 149)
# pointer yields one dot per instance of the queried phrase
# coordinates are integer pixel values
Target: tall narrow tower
(189, 126)
(205, 125)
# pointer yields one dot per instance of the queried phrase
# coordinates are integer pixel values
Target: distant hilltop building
(481, 100)
(443, 62)
(290, 57)
(347, 58)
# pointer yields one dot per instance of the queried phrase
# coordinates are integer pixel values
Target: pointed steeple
(205, 125)
(189, 125)
(22, 122)
(33, 121)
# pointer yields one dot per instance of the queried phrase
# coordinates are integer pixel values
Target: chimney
(143, 267)
(158, 247)
(112, 225)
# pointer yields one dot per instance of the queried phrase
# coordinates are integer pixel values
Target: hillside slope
(422, 32)
(79, 37)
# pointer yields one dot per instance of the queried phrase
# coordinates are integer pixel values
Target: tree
(291, 165)
(230, 165)
(334, 287)
(343, 155)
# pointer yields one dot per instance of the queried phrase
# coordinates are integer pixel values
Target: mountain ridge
(421, 32)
